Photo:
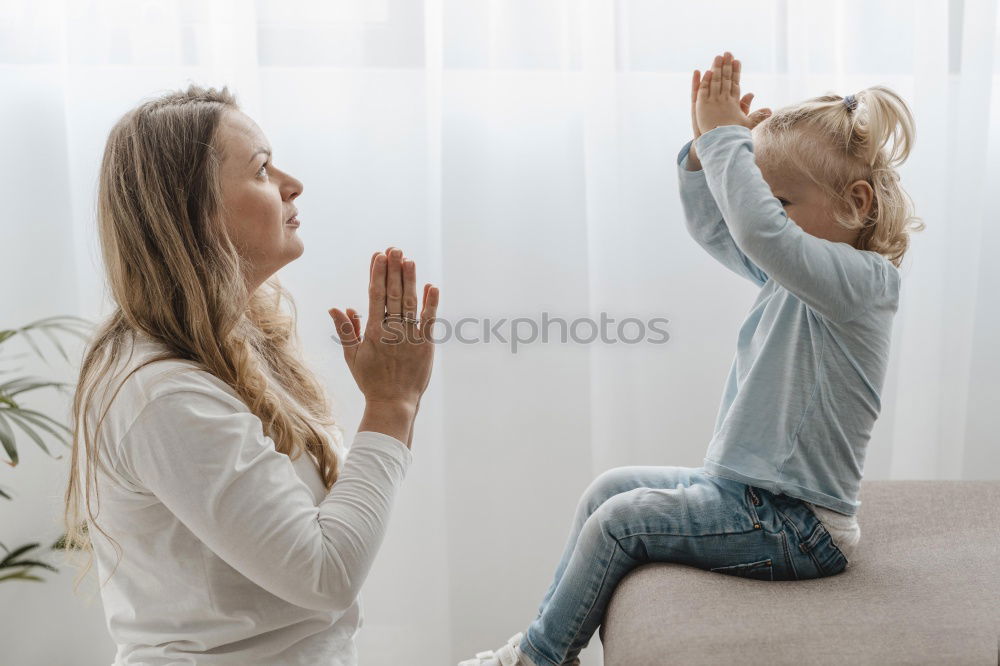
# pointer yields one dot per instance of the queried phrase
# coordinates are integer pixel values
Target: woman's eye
(261, 169)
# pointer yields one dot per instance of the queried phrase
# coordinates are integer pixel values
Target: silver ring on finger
(399, 317)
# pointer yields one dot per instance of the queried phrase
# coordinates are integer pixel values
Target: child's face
(804, 202)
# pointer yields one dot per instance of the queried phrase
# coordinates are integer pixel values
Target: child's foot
(507, 655)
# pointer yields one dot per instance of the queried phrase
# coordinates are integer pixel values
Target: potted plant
(17, 564)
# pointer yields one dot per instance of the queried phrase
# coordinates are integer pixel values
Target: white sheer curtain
(523, 152)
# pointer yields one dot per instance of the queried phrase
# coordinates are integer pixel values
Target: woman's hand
(719, 109)
(392, 362)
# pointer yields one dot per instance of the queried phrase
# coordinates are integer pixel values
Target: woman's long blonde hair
(834, 146)
(176, 276)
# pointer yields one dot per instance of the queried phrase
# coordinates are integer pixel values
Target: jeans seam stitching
(537, 652)
(618, 548)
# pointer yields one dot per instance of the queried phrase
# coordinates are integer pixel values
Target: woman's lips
(294, 222)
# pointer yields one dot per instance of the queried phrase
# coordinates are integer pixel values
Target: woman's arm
(205, 457)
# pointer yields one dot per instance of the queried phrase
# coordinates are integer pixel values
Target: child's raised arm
(834, 278)
(704, 221)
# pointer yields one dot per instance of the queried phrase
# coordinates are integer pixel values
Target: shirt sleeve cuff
(682, 161)
(714, 135)
(386, 444)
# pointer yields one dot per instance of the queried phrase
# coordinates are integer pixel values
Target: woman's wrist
(393, 418)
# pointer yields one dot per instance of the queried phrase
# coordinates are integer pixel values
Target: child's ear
(862, 195)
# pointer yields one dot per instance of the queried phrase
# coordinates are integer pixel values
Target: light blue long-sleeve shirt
(804, 388)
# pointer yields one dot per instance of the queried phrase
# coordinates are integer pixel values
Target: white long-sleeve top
(232, 552)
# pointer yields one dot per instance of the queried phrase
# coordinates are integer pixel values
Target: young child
(806, 203)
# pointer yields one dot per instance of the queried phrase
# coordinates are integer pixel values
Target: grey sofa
(923, 588)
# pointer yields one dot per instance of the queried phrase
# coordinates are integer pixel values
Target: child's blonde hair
(834, 145)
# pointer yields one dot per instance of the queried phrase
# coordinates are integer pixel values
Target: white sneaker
(508, 655)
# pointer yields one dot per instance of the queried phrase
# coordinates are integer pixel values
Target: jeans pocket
(813, 546)
(761, 570)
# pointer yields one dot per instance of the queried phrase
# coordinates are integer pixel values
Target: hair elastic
(850, 102)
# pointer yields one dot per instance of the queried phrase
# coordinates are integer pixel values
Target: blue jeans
(633, 515)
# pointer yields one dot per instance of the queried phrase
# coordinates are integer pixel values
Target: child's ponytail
(865, 136)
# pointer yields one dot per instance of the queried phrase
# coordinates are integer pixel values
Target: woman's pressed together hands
(716, 101)
(391, 358)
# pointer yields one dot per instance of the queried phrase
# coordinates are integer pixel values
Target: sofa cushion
(923, 588)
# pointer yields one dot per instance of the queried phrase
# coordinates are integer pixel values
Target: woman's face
(259, 198)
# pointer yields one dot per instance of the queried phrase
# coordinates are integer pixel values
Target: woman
(220, 542)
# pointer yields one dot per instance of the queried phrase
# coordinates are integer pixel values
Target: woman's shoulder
(147, 370)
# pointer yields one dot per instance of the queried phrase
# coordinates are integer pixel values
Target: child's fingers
(726, 87)
(745, 103)
(695, 86)
(705, 90)
(716, 85)
(737, 67)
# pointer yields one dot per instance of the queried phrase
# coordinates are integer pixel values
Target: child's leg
(605, 486)
(672, 514)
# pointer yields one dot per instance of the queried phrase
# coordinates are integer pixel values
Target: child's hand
(749, 119)
(715, 100)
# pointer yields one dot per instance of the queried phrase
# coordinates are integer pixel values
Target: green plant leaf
(31, 563)
(3, 493)
(22, 384)
(21, 575)
(31, 341)
(25, 425)
(10, 559)
(55, 341)
(7, 439)
(60, 543)
(39, 419)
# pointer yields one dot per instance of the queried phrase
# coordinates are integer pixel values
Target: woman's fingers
(394, 283)
(429, 311)
(376, 291)
(409, 288)
(355, 321)
(745, 103)
(736, 77)
(347, 332)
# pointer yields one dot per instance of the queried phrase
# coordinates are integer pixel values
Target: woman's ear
(862, 195)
